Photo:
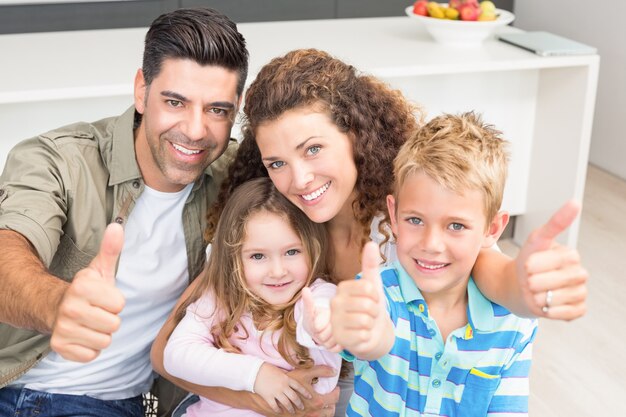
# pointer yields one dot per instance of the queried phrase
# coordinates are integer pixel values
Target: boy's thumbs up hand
(543, 265)
(359, 317)
(87, 315)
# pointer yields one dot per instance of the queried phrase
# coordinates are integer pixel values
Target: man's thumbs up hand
(88, 313)
(359, 315)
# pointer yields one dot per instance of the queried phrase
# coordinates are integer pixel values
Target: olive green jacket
(62, 188)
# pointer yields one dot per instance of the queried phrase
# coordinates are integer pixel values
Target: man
(80, 302)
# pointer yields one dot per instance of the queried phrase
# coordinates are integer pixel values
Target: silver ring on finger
(549, 297)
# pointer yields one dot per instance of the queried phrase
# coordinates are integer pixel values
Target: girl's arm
(239, 399)
(521, 284)
(190, 353)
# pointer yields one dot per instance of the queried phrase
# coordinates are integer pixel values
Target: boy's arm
(521, 284)
(241, 399)
(359, 317)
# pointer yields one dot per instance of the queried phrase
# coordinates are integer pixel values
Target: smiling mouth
(186, 151)
(317, 193)
(278, 285)
(430, 266)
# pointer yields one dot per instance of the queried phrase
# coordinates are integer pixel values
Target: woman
(327, 136)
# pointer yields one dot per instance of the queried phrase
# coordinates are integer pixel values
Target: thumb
(308, 304)
(543, 237)
(110, 248)
(370, 264)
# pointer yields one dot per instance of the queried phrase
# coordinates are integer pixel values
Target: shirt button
(438, 355)
(119, 220)
(136, 184)
(436, 383)
(432, 332)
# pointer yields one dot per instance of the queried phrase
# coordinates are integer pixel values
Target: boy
(430, 343)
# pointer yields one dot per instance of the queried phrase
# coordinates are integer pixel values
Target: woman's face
(309, 161)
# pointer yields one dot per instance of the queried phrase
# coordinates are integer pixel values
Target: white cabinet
(544, 105)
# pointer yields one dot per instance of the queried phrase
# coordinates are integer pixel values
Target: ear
(495, 228)
(140, 91)
(391, 208)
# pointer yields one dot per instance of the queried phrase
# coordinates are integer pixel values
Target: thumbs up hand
(316, 321)
(359, 318)
(87, 315)
(551, 276)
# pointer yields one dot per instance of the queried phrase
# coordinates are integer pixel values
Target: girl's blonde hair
(224, 279)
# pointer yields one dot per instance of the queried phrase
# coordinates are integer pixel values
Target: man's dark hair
(201, 34)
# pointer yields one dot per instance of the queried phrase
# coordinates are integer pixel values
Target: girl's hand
(553, 281)
(316, 321)
(279, 390)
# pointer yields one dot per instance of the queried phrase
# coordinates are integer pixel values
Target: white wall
(600, 23)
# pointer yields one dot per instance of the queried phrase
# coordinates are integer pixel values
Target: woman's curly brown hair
(377, 118)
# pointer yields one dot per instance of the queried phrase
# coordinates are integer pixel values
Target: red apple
(454, 4)
(419, 7)
(469, 12)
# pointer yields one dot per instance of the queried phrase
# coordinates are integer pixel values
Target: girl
(239, 325)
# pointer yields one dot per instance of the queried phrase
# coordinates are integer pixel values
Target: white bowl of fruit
(460, 22)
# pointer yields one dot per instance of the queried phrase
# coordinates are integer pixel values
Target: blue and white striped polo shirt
(481, 371)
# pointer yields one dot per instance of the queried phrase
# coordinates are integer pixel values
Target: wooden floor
(578, 369)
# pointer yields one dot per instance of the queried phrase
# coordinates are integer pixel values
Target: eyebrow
(180, 97)
(298, 147)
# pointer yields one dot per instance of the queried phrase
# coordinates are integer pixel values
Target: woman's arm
(522, 284)
(239, 399)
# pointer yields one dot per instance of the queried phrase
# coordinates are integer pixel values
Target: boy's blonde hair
(459, 152)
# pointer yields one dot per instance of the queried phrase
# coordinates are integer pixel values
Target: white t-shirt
(152, 274)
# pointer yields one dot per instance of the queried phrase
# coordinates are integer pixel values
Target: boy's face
(439, 233)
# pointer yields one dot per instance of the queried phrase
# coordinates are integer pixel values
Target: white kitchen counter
(544, 105)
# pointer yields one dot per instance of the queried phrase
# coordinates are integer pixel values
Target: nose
(432, 240)
(194, 124)
(278, 269)
(302, 175)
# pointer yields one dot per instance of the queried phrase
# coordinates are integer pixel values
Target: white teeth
(315, 194)
(431, 267)
(185, 150)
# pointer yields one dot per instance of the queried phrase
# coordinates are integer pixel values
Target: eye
(457, 227)
(415, 220)
(257, 256)
(313, 150)
(276, 164)
(292, 252)
(217, 111)
(174, 103)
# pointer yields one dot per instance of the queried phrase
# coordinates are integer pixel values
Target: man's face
(188, 112)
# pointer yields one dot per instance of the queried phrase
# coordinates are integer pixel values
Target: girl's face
(275, 264)
(309, 161)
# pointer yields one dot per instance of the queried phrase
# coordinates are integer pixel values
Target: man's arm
(242, 399)
(81, 316)
(30, 296)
